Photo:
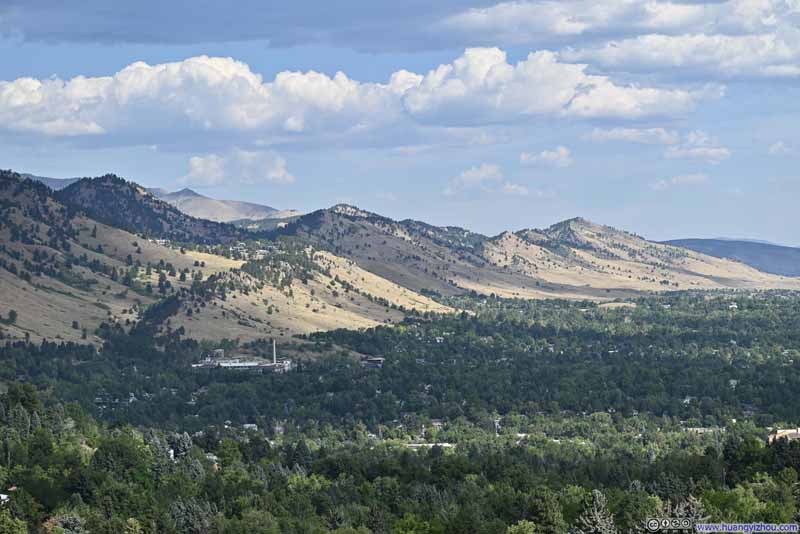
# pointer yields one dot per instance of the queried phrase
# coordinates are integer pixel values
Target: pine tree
(596, 519)
(36, 422)
(522, 527)
(690, 508)
(181, 445)
(21, 420)
(545, 511)
(9, 525)
(132, 526)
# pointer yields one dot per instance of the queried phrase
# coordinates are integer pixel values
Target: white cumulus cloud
(199, 94)
(481, 176)
(726, 56)
(515, 189)
(699, 145)
(558, 157)
(681, 180)
(224, 103)
(238, 166)
(779, 148)
(724, 39)
(521, 22)
(481, 87)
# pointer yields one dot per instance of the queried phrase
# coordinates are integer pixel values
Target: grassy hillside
(571, 259)
(230, 211)
(578, 252)
(279, 299)
(126, 205)
(67, 276)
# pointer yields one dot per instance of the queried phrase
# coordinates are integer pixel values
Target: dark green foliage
(562, 417)
(122, 204)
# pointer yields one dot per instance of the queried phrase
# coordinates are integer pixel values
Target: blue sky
(669, 119)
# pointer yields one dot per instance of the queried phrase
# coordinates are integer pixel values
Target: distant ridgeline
(126, 205)
(431, 380)
(111, 249)
(775, 259)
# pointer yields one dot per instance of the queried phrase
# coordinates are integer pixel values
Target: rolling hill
(571, 259)
(202, 207)
(127, 205)
(194, 204)
(104, 254)
(775, 259)
(70, 277)
(53, 183)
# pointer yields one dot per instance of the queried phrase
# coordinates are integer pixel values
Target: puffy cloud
(50, 106)
(646, 136)
(728, 56)
(522, 22)
(515, 189)
(369, 25)
(558, 157)
(682, 180)
(238, 166)
(779, 148)
(481, 87)
(694, 145)
(699, 145)
(727, 39)
(202, 94)
(518, 22)
(207, 96)
(530, 21)
(732, 39)
(633, 102)
(481, 176)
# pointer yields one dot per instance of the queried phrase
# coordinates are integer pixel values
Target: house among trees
(217, 360)
(373, 362)
(790, 434)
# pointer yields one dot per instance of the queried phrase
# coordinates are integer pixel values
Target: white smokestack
(274, 352)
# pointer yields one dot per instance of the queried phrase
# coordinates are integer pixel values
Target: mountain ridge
(201, 206)
(71, 278)
(768, 257)
(104, 253)
(129, 206)
(193, 203)
(53, 183)
(569, 259)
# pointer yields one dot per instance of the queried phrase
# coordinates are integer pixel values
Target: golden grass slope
(574, 259)
(76, 282)
(324, 303)
(55, 309)
(47, 307)
(419, 258)
(579, 252)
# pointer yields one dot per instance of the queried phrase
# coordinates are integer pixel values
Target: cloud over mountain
(238, 166)
(215, 96)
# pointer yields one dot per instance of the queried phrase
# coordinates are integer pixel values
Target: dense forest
(511, 416)
(66, 471)
(697, 357)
